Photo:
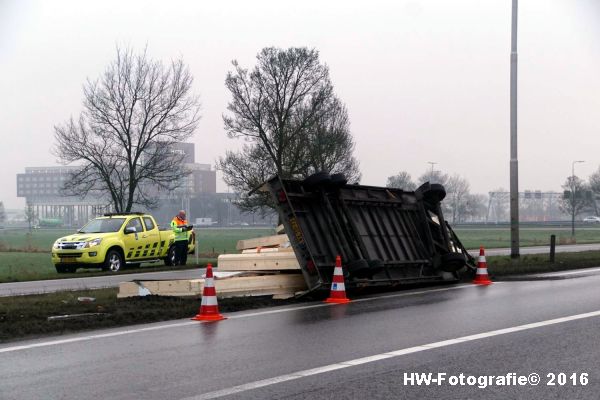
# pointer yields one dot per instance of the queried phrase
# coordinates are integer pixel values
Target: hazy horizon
(422, 80)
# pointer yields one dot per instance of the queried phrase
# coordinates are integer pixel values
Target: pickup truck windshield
(103, 225)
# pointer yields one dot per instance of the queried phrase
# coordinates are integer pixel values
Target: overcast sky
(423, 80)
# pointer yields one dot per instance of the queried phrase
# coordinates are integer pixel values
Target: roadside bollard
(552, 247)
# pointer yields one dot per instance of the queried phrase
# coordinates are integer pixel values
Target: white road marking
(577, 272)
(378, 357)
(91, 337)
(241, 315)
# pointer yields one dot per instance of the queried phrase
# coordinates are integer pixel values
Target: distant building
(41, 188)
(202, 179)
(187, 149)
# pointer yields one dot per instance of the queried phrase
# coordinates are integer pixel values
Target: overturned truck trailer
(385, 236)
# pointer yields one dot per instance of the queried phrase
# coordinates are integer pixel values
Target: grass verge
(27, 316)
(500, 266)
(19, 267)
(210, 240)
(490, 237)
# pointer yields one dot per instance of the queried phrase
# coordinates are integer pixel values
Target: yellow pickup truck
(114, 240)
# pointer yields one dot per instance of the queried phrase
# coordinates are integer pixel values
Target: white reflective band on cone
(209, 301)
(482, 259)
(338, 286)
(481, 271)
(209, 282)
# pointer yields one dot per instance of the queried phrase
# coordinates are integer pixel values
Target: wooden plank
(268, 250)
(276, 261)
(267, 241)
(280, 285)
(280, 229)
(128, 289)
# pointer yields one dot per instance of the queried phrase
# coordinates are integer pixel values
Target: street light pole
(431, 174)
(514, 163)
(573, 196)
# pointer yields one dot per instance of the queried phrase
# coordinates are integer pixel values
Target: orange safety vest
(176, 223)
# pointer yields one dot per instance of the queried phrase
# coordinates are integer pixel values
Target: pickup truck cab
(113, 240)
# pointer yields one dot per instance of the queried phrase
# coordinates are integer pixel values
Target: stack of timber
(266, 254)
(265, 266)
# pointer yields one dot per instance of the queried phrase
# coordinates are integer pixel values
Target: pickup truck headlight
(55, 245)
(92, 243)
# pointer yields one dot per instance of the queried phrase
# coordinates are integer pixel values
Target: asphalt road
(99, 282)
(320, 351)
(96, 282)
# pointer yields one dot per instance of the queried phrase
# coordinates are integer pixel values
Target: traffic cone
(481, 276)
(338, 288)
(209, 309)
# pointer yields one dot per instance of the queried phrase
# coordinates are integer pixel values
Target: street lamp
(432, 163)
(573, 195)
(514, 163)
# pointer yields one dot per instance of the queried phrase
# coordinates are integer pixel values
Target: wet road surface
(99, 282)
(358, 350)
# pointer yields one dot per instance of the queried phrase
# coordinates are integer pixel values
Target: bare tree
(594, 184)
(30, 215)
(292, 122)
(475, 208)
(575, 199)
(457, 195)
(402, 180)
(329, 145)
(246, 169)
(132, 115)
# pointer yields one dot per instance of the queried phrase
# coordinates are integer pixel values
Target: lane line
(578, 272)
(92, 337)
(239, 316)
(383, 356)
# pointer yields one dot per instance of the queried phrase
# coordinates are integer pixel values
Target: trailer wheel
(319, 179)
(359, 268)
(375, 266)
(338, 179)
(434, 194)
(452, 262)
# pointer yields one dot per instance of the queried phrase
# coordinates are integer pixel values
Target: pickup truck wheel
(170, 258)
(60, 269)
(113, 261)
